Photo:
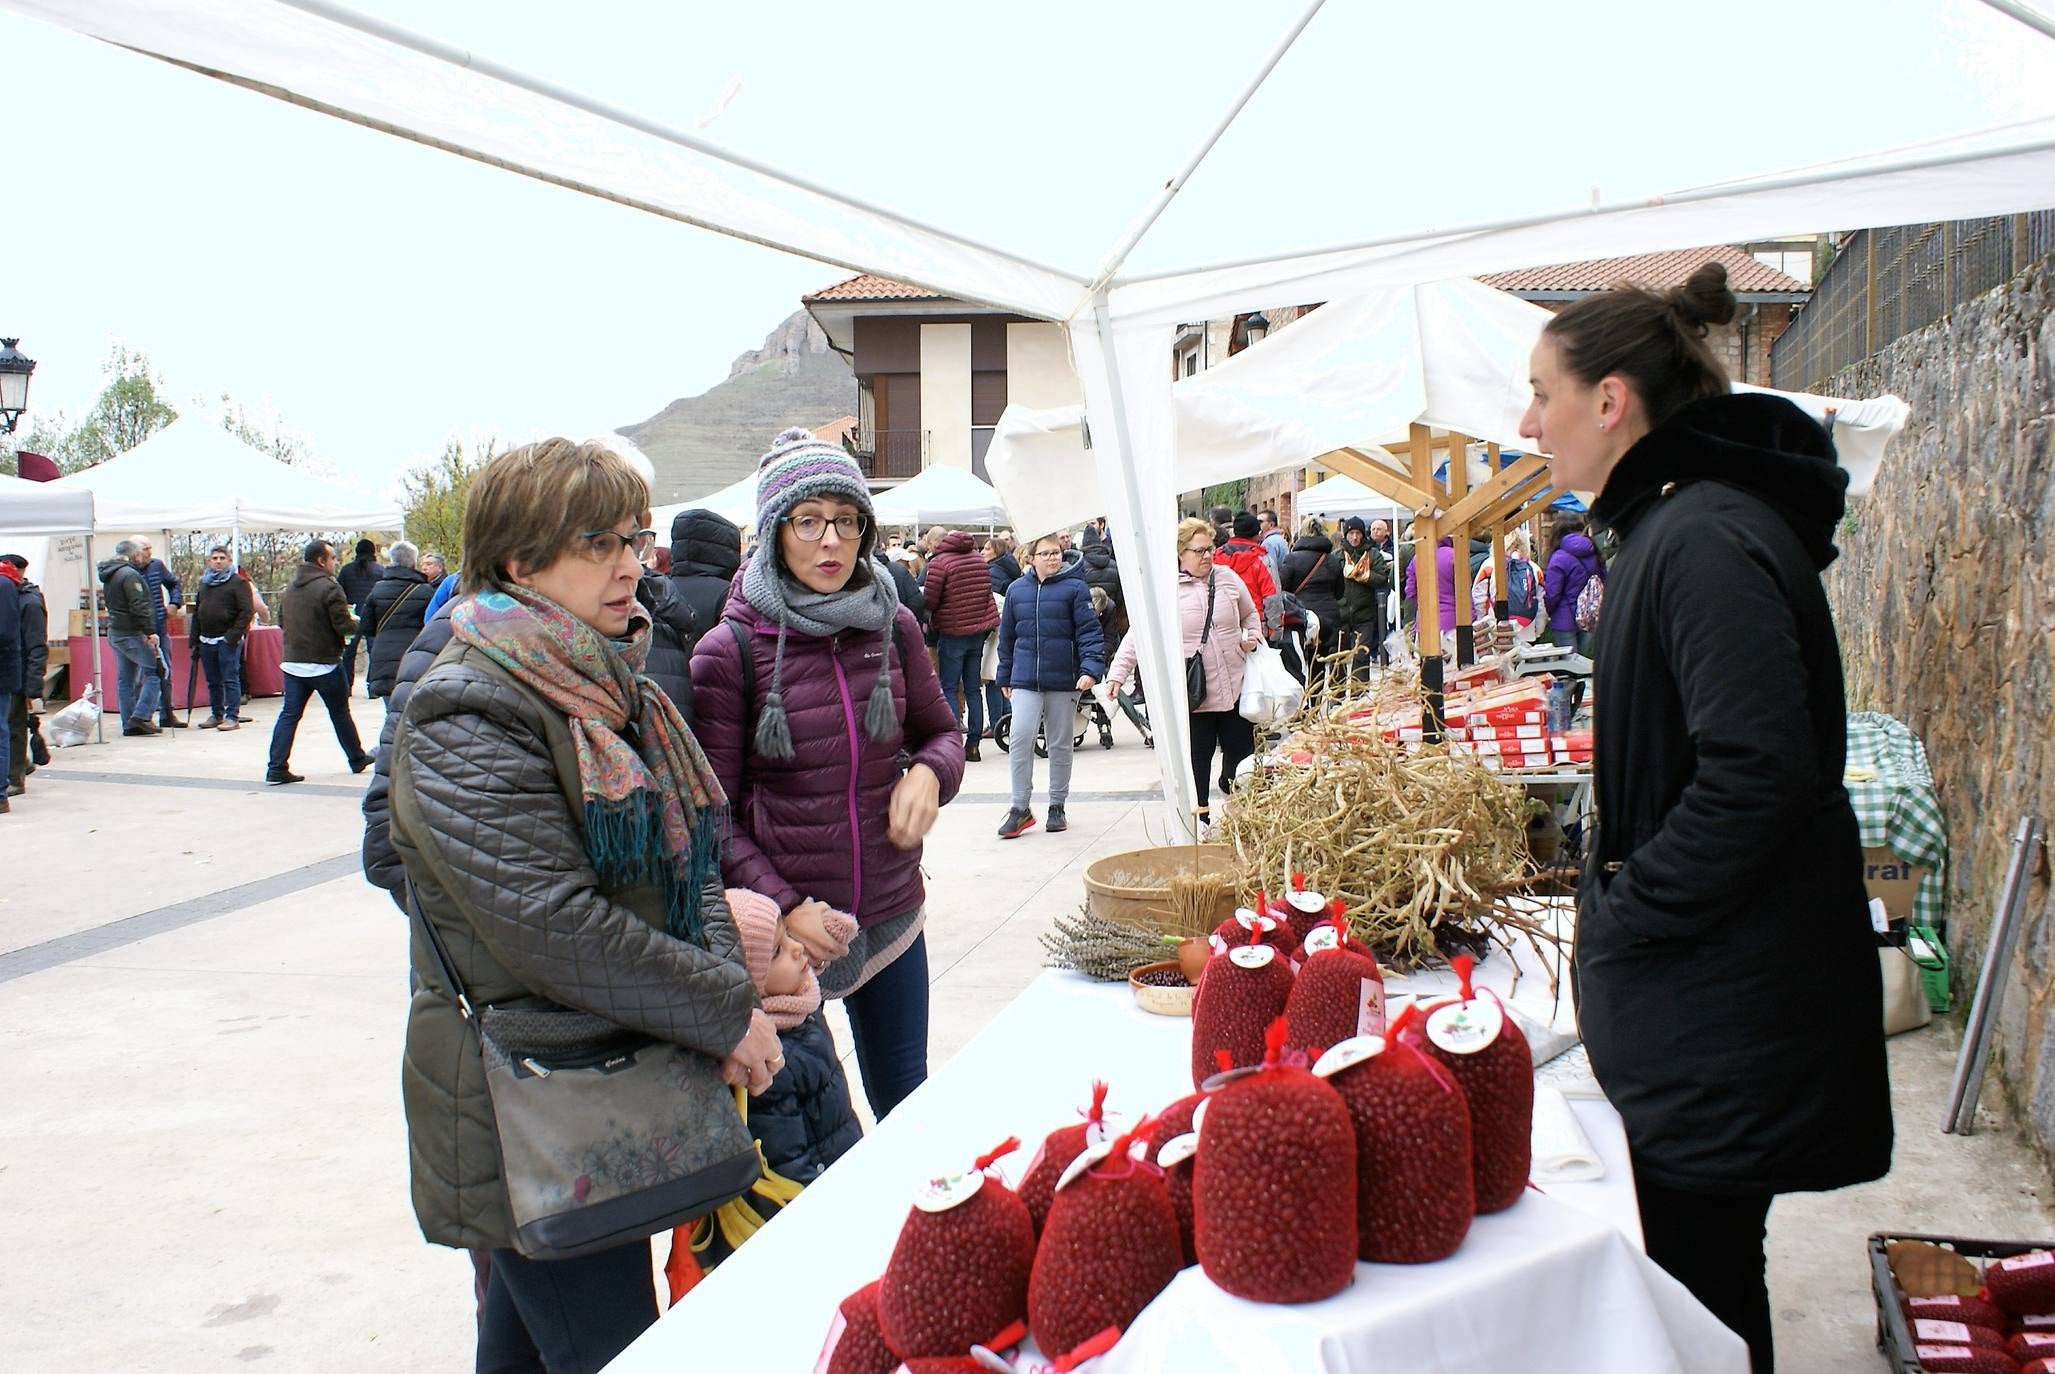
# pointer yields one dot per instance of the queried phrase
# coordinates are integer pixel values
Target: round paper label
(1465, 1027)
(1178, 1149)
(1323, 939)
(1252, 956)
(1091, 1156)
(987, 1360)
(1348, 1054)
(1254, 920)
(1199, 1115)
(1097, 1135)
(950, 1190)
(1308, 901)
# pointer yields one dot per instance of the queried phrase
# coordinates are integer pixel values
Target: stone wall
(1945, 596)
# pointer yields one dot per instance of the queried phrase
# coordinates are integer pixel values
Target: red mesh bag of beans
(1303, 910)
(1963, 1359)
(2032, 1345)
(1932, 1331)
(959, 1273)
(1110, 1246)
(1240, 994)
(1339, 993)
(2022, 1284)
(1258, 923)
(984, 1357)
(1487, 1054)
(1415, 1190)
(1174, 1123)
(1273, 1193)
(1064, 1144)
(2042, 1366)
(856, 1343)
(1952, 1308)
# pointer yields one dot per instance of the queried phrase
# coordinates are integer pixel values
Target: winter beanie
(800, 467)
(756, 921)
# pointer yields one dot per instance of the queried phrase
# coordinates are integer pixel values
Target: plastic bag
(74, 724)
(1270, 694)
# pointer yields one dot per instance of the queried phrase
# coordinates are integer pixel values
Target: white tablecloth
(1557, 1282)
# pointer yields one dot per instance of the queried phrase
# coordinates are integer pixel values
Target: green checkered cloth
(1897, 809)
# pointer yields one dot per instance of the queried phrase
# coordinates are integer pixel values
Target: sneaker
(362, 763)
(1056, 820)
(279, 776)
(231, 723)
(141, 727)
(971, 754)
(1017, 823)
(211, 723)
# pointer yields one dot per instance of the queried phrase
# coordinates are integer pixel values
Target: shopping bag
(1270, 694)
(74, 724)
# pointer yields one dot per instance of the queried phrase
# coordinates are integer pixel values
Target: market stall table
(263, 650)
(1896, 807)
(1557, 1282)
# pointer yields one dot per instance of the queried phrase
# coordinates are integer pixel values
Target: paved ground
(202, 1162)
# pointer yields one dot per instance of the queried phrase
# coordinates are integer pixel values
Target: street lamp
(1257, 326)
(14, 384)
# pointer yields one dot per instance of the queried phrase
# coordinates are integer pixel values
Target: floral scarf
(651, 815)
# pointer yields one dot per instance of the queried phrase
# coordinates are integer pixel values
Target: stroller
(1091, 715)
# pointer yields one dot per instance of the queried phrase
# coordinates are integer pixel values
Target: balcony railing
(895, 454)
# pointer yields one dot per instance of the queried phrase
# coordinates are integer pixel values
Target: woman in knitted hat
(806, 702)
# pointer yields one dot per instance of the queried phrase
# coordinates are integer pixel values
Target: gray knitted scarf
(871, 606)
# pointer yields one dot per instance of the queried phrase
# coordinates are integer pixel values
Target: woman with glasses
(1216, 719)
(822, 716)
(1050, 649)
(559, 826)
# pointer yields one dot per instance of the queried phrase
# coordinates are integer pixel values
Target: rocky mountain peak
(796, 337)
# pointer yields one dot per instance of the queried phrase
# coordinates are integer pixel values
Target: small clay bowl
(1164, 1001)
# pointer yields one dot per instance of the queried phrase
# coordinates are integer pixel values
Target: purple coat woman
(1574, 562)
(806, 735)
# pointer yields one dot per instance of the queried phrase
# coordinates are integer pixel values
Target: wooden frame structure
(1451, 508)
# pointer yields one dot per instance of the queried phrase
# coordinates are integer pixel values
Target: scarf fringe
(625, 841)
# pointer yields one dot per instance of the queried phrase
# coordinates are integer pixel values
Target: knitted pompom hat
(798, 467)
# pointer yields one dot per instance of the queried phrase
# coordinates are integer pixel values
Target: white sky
(380, 295)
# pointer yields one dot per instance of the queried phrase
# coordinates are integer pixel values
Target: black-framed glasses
(1198, 548)
(814, 528)
(604, 546)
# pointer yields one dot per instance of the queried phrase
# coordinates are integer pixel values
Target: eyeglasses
(814, 528)
(1048, 553)
(1198, 548)
(604, 546)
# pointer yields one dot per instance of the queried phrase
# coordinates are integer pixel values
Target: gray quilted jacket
(487, 820)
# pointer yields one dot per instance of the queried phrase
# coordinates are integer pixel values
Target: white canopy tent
(941, 495)
(1340, 496)
(1277, 216)
(42, 509)
(195, 475)
(736, 502)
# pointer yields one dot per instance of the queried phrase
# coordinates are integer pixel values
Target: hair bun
(1704, 299)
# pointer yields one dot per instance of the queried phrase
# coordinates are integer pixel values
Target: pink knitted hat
(756, 918)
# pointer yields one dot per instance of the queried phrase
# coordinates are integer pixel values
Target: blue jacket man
(1050, 649)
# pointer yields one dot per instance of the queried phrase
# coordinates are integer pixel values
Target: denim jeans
(888, 1019)
(334, 691)
(167, 714)
(997, 707)
(1055, 715)
(223, 665)
(958, 660)
(136, 682)
(568, 1316)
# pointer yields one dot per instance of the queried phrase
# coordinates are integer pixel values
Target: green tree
(435, 494)
(130, 408)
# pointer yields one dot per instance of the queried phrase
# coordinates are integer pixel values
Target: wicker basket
(1133, 886)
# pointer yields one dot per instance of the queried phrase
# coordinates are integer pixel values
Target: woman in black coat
(394, 612)
(1725, 969)
(1312, 572)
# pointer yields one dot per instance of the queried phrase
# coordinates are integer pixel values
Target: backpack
(1284, 609)
(1521, 601)
(1589, 599)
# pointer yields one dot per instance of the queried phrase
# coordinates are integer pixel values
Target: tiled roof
(873, 289)
(1657, 271)
(833, 430)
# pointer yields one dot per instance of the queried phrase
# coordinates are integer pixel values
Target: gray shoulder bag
(605, 1135)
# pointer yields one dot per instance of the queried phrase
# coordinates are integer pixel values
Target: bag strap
(442, 956)
(1206, 631)
(1318, 564)
(379, 628)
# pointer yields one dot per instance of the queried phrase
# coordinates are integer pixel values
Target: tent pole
(1158, 657)
(93, 678)
(1161, 202)
(2033, 19)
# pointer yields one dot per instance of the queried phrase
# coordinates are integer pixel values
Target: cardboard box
(1891, 880)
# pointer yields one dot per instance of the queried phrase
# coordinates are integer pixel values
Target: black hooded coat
(1726, 972)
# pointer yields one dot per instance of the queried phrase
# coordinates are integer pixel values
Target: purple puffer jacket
(814, 826)
(1574, 563)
